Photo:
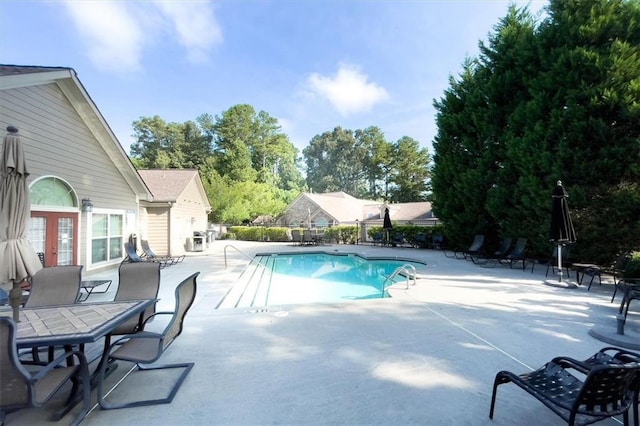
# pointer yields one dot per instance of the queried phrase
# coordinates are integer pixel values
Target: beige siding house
(72, 155)
(180, 206)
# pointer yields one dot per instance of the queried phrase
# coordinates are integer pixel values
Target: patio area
(427, 355)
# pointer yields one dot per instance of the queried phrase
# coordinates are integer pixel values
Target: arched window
(52, 191)
(321, 222)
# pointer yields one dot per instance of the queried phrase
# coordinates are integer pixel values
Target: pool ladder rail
(409, 272)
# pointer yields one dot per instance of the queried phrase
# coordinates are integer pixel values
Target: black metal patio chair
(495, 257)
(475, 248)
(151, 255)
(147, 347)
(606, 391)
(134, 257)
(610, 355)
(518, 254)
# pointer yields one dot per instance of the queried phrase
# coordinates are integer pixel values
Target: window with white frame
(106, 237)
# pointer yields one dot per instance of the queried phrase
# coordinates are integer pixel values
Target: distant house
(84, 190)
(311, 210)
(179, 208)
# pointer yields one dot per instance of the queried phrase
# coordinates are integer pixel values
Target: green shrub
(259, 233)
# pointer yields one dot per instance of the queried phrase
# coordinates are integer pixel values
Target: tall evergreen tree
(559, 100)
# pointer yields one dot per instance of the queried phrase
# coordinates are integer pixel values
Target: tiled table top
(73, 324)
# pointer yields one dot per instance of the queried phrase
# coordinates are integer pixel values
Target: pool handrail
(237, 249)
(404, 268)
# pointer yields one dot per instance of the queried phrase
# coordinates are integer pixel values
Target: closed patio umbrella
(386, 224)
(561, 231)
(18, 259)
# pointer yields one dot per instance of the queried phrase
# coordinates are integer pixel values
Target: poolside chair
(307, 237)
(497, 256)
(475, 248)
(611, 355)
(606, 391)
(518, 254)
(55, 285)
(420, 240)
(137, 281)
(146, 347)
(378, 238)
(150, 254)
(437, 242)
(134, 257)
(20, 388)
(297, 237)
(616, 270)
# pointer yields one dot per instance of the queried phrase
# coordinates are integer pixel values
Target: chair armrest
(56, 362)
(156, 314)
(567, 362)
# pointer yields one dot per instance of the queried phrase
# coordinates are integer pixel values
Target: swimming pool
(313, 277)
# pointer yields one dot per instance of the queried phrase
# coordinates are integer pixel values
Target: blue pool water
(316, 278)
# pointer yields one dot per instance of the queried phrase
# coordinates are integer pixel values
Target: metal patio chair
(151, 255)
(476, 247)
(497, 256)
(611, 355)
(137, 281)
(20, 388)
(55, 285)
(134, 257)
(606, 391)
(146, 347)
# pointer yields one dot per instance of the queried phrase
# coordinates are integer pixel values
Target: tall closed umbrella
(561, 231)
(386, 224)
(18, 259)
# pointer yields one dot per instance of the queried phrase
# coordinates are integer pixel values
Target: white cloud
(349, 90)
(112, 35)
(195, 25)
(116, 33)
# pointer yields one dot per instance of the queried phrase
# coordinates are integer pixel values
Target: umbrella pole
(559, 263)
(15, 296)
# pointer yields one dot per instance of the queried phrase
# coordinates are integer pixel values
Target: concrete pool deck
(427, 355)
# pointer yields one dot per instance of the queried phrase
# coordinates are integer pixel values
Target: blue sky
(312, 64)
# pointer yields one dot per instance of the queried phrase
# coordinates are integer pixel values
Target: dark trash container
(198, 241)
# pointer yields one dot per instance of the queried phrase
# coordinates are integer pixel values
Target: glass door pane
(65, 241)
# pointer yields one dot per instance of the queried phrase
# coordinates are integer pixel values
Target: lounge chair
(134, 257)
(307, 237)
(518, 254)
(297, 237)
(378, 238)
(475, 248)
(616, 270)
(146, 347)
(606, 391)
(496, 256)
(437, 242)
(20, 388)
(420, 240)
(150, 254)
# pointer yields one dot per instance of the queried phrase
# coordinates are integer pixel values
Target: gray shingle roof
(167, 184)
